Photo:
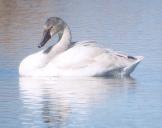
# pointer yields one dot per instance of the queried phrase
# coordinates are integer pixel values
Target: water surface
(130, 26)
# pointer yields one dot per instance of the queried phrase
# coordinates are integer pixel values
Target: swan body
(83, 58)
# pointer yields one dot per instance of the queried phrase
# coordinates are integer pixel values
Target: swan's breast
(30, 64)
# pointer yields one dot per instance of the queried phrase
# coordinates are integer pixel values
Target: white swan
(67, 58)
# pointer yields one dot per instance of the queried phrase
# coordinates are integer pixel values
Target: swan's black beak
(46, 37)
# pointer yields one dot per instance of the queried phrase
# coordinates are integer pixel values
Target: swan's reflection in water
(59, 102)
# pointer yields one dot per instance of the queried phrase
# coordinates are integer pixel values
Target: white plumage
(83, 58)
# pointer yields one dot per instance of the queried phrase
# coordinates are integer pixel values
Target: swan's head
(53, 25)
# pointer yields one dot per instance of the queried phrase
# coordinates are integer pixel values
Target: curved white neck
(63, 44)
(65, 37)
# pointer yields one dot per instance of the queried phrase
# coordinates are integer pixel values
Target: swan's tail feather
(129, 69)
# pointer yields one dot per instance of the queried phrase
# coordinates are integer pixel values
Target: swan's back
(87, 59)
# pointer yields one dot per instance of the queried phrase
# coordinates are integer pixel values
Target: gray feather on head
(55, 24)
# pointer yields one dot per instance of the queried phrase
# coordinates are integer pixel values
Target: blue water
(131, 26)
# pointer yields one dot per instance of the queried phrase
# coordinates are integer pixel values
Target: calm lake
(131, 26)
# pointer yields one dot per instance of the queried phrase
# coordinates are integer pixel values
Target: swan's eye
(52, 30)
(52, 27)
